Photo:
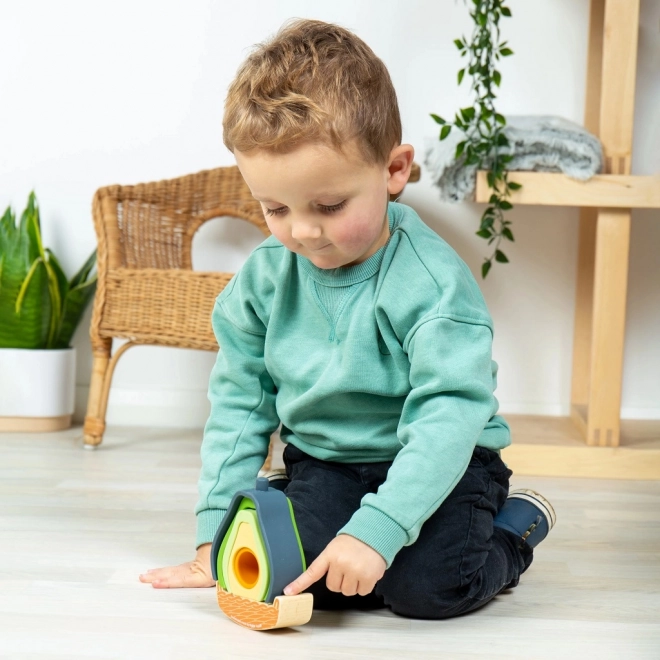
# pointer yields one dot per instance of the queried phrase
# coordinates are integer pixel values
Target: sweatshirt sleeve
(448, 407)
(243, 415)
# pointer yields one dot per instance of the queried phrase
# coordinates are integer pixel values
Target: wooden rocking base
(284, 612)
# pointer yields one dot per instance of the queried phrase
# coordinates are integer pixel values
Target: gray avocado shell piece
(285, 562)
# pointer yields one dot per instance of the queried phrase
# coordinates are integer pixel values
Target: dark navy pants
(459, 561)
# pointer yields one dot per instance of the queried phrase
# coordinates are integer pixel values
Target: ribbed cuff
(377, 530)
(208, 522)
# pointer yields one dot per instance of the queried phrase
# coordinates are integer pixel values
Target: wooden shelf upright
(606, 201)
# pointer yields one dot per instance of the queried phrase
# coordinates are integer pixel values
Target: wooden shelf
(592, 441)
(601, 191)
(555, 447)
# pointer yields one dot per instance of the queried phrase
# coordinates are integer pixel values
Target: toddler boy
(361, 331)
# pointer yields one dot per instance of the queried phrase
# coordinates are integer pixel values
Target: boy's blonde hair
(313, 82)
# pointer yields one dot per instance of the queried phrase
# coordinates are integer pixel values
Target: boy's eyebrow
(322, 194)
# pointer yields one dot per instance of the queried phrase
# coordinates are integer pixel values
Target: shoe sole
(279, 473)
(539, 501)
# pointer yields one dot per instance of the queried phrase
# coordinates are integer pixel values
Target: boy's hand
(196, 573)
(352, 567)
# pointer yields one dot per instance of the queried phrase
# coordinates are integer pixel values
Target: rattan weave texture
(147, 291)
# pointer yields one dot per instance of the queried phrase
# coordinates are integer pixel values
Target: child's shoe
(277, 479)
(526, 514)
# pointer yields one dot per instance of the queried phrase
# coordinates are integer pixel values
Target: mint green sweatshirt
(388, 360)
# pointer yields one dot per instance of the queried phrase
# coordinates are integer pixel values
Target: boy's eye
(277, 211)
(334, 208)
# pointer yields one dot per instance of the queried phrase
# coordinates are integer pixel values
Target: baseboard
(168, 408)
(190, 408)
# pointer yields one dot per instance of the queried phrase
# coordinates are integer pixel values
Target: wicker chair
(147, 291)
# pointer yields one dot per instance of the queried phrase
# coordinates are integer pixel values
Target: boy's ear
(400, 163)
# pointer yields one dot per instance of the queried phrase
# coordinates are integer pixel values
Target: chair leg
(269, 458)
(99, 391)
(96, 406)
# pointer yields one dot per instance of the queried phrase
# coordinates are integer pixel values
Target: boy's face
(324, 205)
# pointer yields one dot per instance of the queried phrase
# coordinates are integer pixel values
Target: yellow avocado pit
(245, 565)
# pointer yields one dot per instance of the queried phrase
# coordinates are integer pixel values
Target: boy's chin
(328, 263)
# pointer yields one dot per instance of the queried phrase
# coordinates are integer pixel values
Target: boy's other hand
(196, 573)
(352, 566)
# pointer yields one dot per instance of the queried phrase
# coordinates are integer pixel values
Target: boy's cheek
(283, 237)
(355, 231)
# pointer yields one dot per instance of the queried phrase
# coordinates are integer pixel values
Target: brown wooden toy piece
(284, 611)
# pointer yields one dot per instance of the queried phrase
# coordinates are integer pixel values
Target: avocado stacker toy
(256, 552)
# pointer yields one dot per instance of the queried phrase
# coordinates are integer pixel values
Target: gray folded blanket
(537, 143)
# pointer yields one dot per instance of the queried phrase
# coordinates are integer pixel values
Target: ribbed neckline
(347, 275)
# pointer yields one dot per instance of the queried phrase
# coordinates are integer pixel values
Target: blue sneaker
(276, 478)
(528, 515)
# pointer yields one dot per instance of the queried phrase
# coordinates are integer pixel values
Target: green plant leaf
(25, 285)
(29, 233)
(37, 304)
(467, 114)
(27, 328)
(84, 271)
(485, 145)
(7, 229)
(514, 186)
(60, 277)
(75, 304)
(33, 230)
(80, 291)
(438, 119)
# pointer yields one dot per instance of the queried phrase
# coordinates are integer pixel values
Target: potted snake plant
(40, 310)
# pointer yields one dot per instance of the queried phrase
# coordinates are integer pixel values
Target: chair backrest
(147, 290)
(151, 225)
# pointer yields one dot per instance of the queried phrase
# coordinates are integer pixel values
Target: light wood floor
(77, 527)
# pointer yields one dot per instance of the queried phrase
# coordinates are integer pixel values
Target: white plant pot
(37, 389)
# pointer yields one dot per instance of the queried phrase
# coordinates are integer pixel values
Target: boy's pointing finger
(316, 570)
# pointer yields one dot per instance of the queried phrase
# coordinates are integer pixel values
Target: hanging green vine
(482, 125)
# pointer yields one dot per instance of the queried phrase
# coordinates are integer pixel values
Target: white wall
(94, 93)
